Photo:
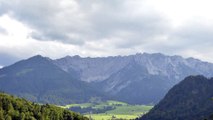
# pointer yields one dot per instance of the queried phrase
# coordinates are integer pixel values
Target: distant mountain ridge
(152, 74)
(191, 99)
(135, 79)
(100, 68)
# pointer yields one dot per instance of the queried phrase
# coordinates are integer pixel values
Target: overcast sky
(56, 28)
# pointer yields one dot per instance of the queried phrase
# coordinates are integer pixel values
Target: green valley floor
(109, 110)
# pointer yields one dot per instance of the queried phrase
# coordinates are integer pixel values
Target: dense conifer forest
(13, 108)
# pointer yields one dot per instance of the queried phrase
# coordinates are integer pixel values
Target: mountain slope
(134, 85)
(153, 74)
(12, 108)
(191, 99)
(38, 79)
(92, 69)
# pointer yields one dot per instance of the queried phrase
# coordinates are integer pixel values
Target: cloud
(193, 39)
(56, 28)
(194, 34)
(3, 31)
(79, 21)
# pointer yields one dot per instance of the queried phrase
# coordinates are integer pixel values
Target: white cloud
(182, 11)
(56, 28)
(19, 45)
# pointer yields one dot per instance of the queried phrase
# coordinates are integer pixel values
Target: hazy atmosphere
(56, 28)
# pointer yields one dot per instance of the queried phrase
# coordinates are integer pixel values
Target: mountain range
(191, 99)
(135, 79)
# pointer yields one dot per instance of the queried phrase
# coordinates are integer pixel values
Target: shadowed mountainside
(191, 99)
(38, 79)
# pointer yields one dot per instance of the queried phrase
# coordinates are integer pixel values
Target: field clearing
(84, 105)
(120, 110)
(130, 109)
(109, 116)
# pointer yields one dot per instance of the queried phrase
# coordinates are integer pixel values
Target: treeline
(13, 108)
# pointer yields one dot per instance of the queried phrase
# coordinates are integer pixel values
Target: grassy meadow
(109, 110)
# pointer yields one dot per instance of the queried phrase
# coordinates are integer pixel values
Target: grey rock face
(137, 75)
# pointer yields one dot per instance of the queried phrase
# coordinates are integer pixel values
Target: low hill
(191, 99)
(13, 108)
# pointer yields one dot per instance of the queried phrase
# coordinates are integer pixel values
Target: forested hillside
(13, 108)
(191, 99)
